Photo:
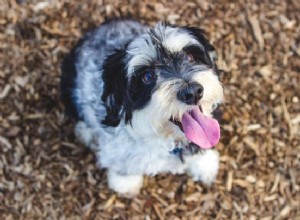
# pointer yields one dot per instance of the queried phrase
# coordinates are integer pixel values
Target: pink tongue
(199, 129)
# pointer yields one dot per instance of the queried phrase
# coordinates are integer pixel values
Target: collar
(188, 150)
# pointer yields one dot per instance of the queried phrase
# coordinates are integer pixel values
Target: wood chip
(255, 24)
(229, 181)
(5, 91)
(5, 143)
(252, 145)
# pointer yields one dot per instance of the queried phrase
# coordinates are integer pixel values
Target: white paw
(125, 185)
(204, 167)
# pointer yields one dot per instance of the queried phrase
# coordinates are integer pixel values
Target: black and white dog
(143, 99)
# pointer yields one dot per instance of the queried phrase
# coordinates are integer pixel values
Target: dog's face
(159, 77)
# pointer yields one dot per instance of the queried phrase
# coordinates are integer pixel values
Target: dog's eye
(190, 57)
(149, 77)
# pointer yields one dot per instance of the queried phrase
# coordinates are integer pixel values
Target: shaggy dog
(143, 99)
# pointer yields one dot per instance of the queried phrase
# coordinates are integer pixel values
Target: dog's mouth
(202, 130)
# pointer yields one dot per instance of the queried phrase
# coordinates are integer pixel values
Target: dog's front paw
(204, 166)
(125, 185)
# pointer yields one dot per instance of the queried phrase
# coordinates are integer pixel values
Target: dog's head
(164, 81)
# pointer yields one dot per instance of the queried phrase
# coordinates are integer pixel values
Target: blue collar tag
(188, 150)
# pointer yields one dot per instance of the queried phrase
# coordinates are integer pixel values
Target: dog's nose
(191, 94)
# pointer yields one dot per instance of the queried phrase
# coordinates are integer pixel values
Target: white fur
(204, 167)
(175, 40)
(138, 155)
(172, 38)
(126, 185)
(137, 58)
(213, 90)
(84, 133)
(129, 151)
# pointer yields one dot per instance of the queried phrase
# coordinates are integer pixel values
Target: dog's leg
(204, 166)
(125, 185)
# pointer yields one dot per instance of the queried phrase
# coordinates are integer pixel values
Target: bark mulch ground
(46, 174)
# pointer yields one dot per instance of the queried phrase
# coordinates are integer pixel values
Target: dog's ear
(199, 35)
(115, 83)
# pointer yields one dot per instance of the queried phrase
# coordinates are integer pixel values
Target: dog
(143, 99)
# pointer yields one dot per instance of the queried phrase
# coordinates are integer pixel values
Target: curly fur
(126, 121)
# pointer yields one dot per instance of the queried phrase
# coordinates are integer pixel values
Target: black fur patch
(199, 35)
(67, 82)
(120, 98)
(199, 55)
(139, 93)
(115, 83)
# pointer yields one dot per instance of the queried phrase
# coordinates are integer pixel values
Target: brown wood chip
(45, 173)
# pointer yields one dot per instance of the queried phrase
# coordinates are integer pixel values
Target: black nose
(190, 94)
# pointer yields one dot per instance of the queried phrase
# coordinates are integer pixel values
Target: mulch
(45, 173)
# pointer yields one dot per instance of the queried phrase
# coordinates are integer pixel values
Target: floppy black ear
(200, 36)
(115, 83)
